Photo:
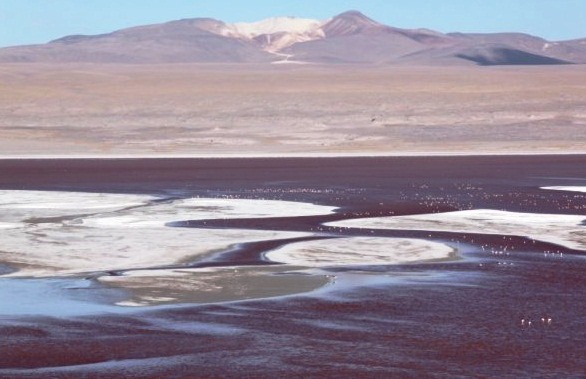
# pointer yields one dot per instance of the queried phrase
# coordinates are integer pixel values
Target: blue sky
(38, 21)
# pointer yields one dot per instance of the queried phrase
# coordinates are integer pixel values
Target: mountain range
(350, 38)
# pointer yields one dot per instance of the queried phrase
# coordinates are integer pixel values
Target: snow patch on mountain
(274, 25)
(277, 33)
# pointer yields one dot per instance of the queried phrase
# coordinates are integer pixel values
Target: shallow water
(467, 317)
(54, 298)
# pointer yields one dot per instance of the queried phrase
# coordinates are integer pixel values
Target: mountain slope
(502, 55)
(180, 41)
(350, 37)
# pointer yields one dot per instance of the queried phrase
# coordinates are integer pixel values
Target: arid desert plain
(219, 221)
(195, 110)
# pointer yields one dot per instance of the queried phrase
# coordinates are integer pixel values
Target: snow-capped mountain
(350, 37)
(275, 25)
(275, 34)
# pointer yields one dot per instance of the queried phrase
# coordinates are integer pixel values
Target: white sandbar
(157, 215)
(359, 251)
(63, 233)
(566, 188)
(564, 230)
(17, 206)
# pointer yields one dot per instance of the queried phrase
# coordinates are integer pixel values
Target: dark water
(457, 319)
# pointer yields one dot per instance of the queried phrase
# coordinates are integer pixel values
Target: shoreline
(286, 156)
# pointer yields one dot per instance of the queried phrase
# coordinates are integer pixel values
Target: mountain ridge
(350, 37)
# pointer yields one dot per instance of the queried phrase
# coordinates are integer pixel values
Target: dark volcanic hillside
(354, 38)
(350, 37)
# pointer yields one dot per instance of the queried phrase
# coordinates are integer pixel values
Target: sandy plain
(195, 110)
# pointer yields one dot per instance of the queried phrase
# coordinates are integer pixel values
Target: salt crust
(359, 251)
(564, 230)
(566, 188)
(63, 233)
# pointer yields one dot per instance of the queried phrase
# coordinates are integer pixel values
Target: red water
(444, 320)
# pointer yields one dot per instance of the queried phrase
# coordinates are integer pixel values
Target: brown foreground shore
(209, 109)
